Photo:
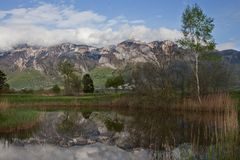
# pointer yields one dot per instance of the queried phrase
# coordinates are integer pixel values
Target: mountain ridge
(26, 56)
(85, 58)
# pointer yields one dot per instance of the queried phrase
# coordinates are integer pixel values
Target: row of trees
(177, 80)
(195, 71)
(74, 82)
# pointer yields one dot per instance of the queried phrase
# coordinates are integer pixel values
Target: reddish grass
(4, 105)
(210, 103)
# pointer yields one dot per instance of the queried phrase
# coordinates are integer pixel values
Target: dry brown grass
(210, 103)
(4, 105)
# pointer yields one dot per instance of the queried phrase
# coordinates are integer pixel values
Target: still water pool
(125, 134)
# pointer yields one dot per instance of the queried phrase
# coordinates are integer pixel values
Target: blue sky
(102, 22)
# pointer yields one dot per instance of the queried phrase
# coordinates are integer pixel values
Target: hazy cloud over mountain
(227, 45)
(48, 24)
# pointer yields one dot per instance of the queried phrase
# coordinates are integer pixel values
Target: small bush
(114, 82)
(114, 125)
(56, 89)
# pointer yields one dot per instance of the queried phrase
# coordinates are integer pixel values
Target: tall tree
(2, 79)
(76, 83)
(88, 86)
(197, 30)
(66, 69)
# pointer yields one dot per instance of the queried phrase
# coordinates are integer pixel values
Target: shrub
(114, 82)
(56, 89)
(88, 86)
(2, 79)
(114, 125)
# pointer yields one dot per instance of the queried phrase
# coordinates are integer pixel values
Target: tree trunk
(197, 78)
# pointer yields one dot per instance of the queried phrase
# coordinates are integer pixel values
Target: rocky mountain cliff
(44, 60)
(85, 58)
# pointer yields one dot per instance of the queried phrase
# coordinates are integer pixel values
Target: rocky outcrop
(46, 59)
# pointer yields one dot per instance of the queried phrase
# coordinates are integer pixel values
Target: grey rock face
(46, 59)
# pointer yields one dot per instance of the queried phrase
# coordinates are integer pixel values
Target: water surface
(124, 134)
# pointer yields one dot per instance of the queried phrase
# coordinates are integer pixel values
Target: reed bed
(209, 103)
(4, 105)
(217, 103)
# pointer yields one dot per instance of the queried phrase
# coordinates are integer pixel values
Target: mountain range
(44, 60)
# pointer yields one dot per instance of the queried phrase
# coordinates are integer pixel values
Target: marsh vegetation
(174, 106)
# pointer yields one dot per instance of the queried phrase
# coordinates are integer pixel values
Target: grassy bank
(210, 103)
(17, 119)
(29, 100)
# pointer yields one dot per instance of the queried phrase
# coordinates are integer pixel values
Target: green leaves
(197, 28)
(88, 86)
(211, 57)
(114, 81)
(66, 68)
(2, 79)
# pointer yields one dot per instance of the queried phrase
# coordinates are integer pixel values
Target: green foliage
(14, 99)
(75, 82)
(6, 88)
(197, 31)
(215, 76)
(29, 79)
(114, 125)
(100, 75)
(88, 86)
(114, 81)
(2, 79)
(15, 117)
(236, 96)
(66, 69)
(56, 89)
(68, 125)
(197, 28)
(211, 57)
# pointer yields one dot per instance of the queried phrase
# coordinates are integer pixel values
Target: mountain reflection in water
(74, 132)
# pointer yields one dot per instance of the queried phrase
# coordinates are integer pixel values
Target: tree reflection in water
(162, 130)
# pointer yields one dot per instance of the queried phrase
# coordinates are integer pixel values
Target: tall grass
(215, 103)
(4, 105)
(210, 103)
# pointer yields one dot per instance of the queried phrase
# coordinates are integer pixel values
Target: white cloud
(48, 25)
(227, 45)
(47, 14)
(137, 21)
